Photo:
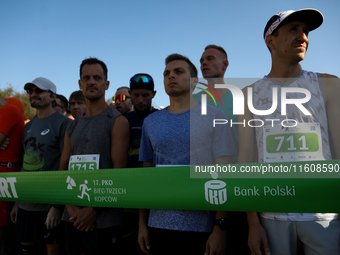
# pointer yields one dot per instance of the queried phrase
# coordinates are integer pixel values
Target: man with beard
(43, 142)
(141, 92)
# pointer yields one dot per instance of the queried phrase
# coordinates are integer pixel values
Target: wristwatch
(223, 223)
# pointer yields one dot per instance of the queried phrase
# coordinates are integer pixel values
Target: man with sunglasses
(43, 141)
(142, 92)
(123, 100)
(100, 131)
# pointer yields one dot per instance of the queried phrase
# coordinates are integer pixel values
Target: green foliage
(10, 92)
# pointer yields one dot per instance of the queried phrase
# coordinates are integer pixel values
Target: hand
(257, 240)
(53, 218)
(4, 145)
(143, 239)
(14, 213)
(84, 219)
(217, 242)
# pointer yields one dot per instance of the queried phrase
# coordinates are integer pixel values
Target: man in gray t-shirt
(99, 131)
(43, 140)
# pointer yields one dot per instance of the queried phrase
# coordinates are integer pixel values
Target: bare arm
(217, 241)
(331, 87)
(246, 134)
(143, 232)
(224, 160)
(120, 142)
(66, 153)
(2, 137)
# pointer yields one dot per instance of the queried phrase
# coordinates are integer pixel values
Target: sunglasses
(36, 90)
(58, 105)
(119, 97)
(144, 78)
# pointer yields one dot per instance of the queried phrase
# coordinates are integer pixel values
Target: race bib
(84, 162)
(300, 143)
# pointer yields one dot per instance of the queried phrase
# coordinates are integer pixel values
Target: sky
(50, 38)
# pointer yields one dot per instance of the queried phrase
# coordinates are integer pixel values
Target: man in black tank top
(100, 131)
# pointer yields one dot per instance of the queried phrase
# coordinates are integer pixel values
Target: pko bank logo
(215, 191)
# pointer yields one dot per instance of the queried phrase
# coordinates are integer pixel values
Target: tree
(10, 92)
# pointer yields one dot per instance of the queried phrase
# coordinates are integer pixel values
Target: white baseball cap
(312, 17)
(42, 83)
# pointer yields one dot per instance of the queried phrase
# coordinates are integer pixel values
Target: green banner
(315, 189)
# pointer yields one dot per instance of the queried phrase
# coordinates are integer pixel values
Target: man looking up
(180, 135)
(214, 63)
(96, 231)
(122, 100)
(286, 36)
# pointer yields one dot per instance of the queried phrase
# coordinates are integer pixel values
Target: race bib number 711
(299, 143)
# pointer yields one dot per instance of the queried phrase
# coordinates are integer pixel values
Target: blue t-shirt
(187, 138)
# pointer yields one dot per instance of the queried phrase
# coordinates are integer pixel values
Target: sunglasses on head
(36, 90)
(141, 78)
(119, 97)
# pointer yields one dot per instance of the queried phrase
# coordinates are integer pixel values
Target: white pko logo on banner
(215, 191)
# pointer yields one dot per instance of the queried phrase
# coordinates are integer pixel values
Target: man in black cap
(141, 92)
(286, 36)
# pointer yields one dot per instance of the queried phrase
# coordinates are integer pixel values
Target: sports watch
(223, 223)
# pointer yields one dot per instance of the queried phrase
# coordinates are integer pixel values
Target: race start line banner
(275, 187)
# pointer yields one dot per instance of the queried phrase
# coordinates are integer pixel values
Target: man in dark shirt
(141, 92)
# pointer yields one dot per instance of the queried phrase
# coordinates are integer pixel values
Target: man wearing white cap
(43, 141)
(286, 36)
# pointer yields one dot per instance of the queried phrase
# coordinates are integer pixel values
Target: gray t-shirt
(92, 135)
(43, 142)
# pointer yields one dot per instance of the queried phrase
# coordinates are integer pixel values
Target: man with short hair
(141, 92)
(43, 141)
(214, 63)
(286, 36)
(77, 104)
(101, 130)
(180, 135)
(60, 104)
(122, 100)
